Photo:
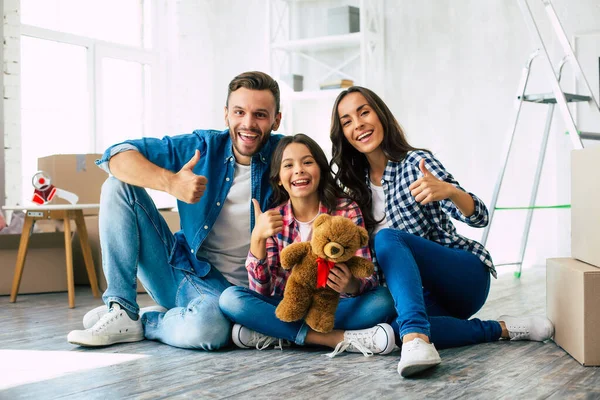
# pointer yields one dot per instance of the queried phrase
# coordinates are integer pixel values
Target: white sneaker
(246, 338)
(417, 355)
(376, 340)
(534, 327)
(91, 317)
(113, 327)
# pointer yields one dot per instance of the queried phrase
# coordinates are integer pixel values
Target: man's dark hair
(255, 80)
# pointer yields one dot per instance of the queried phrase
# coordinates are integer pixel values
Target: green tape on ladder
(534, 207)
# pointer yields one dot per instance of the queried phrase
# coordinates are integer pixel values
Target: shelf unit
(300, 45)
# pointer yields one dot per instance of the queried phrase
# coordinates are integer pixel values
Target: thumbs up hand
(187, 186)
(268, 223)
(428, 188)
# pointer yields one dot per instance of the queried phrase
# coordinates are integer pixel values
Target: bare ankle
(330, 339)
(410, 336)
(504, 334)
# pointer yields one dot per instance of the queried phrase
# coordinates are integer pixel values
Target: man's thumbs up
(423, 169)
(193, 161)
(187, 186)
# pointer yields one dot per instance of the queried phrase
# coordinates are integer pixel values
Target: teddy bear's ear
(321, 219)
(364, 236)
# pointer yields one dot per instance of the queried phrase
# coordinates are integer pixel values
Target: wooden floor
(36, 362)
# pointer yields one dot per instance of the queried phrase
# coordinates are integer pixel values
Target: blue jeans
(436, 289)
(136, 241)
(257, 312)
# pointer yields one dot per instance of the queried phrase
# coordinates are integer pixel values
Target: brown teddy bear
(334, 240)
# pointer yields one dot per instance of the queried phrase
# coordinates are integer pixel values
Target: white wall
(218, 39)
(454, 66)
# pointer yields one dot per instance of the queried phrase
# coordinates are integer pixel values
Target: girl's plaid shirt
(268, 278)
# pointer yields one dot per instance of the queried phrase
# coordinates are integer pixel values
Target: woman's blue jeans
(257, 312)
(436, 289)
(136, 241)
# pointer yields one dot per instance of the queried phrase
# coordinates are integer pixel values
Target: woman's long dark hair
(328, 190)
(350, 164)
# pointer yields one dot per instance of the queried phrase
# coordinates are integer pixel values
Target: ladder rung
(510, 263)
(549, 98)
(533, 207)
(589, 135)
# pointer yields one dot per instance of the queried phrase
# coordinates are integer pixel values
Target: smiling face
(250, 116)
(360, 123)
(299, 173)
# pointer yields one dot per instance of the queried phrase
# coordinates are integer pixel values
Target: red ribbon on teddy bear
(323, 268)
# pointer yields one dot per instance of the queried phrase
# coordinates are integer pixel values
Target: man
(214, 175)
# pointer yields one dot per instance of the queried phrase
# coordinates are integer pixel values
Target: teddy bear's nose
(334, 250)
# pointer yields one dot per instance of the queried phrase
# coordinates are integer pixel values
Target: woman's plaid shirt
(431, 221)
(268, 278)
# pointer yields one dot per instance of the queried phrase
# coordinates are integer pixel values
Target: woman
(438, 278)
(303, 187)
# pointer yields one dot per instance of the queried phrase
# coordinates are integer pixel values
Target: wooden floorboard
(515, 370)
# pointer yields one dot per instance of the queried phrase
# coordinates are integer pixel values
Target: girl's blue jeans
(257, 312)
(435, 289)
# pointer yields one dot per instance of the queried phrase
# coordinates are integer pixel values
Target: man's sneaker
(91, 317)
(535, 327)
(246, 338)
(113, 327)
(417, 355)
(376, 340)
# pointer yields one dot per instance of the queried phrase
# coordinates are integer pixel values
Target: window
(129, 20)
(89, 72)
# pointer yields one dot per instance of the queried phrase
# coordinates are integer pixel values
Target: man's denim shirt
(217, 164)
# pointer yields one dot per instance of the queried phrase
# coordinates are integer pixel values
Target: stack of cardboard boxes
(573, 284)
(45, 265)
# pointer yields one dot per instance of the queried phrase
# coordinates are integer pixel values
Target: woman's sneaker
(376, 340)
(113, 327)
(536, 327)
(246, 338)
(417, 355)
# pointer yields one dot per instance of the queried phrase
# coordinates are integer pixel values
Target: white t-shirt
(305, 229)
(378, 207)
(227, 244)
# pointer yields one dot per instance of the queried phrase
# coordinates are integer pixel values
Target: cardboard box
(91, 223)
(45, 265)
(573, 305)
(585, 210)
(76, 173)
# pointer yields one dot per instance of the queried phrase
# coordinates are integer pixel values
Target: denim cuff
(132, 308)
(301, 335)
(423, 331)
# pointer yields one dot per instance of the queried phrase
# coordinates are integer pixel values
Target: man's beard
(264, 139)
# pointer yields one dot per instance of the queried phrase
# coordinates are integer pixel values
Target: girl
(438, 278)
(304, 188)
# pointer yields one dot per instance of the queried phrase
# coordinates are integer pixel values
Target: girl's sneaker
(376, 340)
(246, 338)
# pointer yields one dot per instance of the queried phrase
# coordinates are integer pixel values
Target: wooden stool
(66, 213)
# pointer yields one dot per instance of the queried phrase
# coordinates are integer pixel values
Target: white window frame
(99, 49)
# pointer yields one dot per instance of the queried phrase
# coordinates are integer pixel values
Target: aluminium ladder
(557, 97)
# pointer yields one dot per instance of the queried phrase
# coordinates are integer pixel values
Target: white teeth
(248, 136)
(301, 181)
(361, 137)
